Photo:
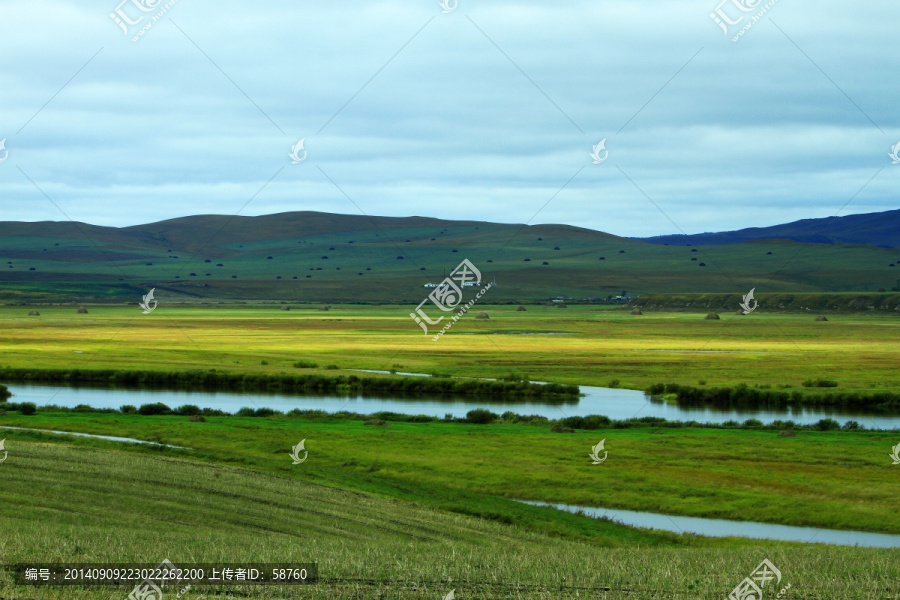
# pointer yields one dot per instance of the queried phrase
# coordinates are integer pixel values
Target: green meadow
(581, 344)
(414, 510)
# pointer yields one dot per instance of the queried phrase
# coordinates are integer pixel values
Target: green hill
(321, 257)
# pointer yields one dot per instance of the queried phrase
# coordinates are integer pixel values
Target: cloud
(488, 112)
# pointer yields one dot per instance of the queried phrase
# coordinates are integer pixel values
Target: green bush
(128, 409)
(305, 364)
(481, 416)
(157, 408)
(27, 408)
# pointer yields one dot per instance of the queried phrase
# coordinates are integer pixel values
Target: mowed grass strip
(96, 502)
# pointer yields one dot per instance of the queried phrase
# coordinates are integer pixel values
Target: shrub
(197, 419)
(376, 422)
(637, 311)
(157, 408)
(331, 367)
(521, 309)
(263, 362)
(188, 409)
(305, 364)
(852, 425)
(481, 416)
(27, 408)
(712, 316)
(827, 425)
(752, 423)
(128, 409)
(613, 383)
(557, 428)
(82, 311)
(482, 315)
(821, 318)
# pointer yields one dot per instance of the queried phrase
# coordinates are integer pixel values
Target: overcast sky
(486, 112)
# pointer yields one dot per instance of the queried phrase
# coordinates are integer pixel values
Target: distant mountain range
(881, 229)
(323, 257)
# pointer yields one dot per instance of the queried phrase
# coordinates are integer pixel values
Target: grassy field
(413, 510)
(584, 345)
(374, 532)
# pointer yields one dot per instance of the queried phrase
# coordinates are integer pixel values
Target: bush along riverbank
(478, 416)
(743, 396)
(296, 384)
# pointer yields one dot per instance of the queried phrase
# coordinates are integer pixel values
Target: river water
(744, 529)
(614, 403)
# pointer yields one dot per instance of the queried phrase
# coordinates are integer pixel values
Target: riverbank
(214, 380)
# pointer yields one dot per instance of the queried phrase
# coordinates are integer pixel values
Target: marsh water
(612, 402)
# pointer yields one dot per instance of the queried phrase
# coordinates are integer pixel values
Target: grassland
(582, 345)
(413, 510)
(378, 529)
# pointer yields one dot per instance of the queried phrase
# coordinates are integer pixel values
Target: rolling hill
(321, 257)
(881, 229)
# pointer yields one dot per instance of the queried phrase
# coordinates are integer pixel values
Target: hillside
(322, 257)
(881, 229)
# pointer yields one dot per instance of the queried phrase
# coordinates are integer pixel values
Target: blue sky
(487, 112)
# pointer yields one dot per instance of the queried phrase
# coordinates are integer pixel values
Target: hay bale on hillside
(521, 309)
(482, 315)
(637, 311)
(712, 316)
(33, 313)
(285, 308)
(197, 419)
(821, 318)
(82, 311)
(324, 308)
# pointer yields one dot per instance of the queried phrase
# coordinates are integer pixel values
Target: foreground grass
(96, 502)
(589, 346)
(838, 480)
